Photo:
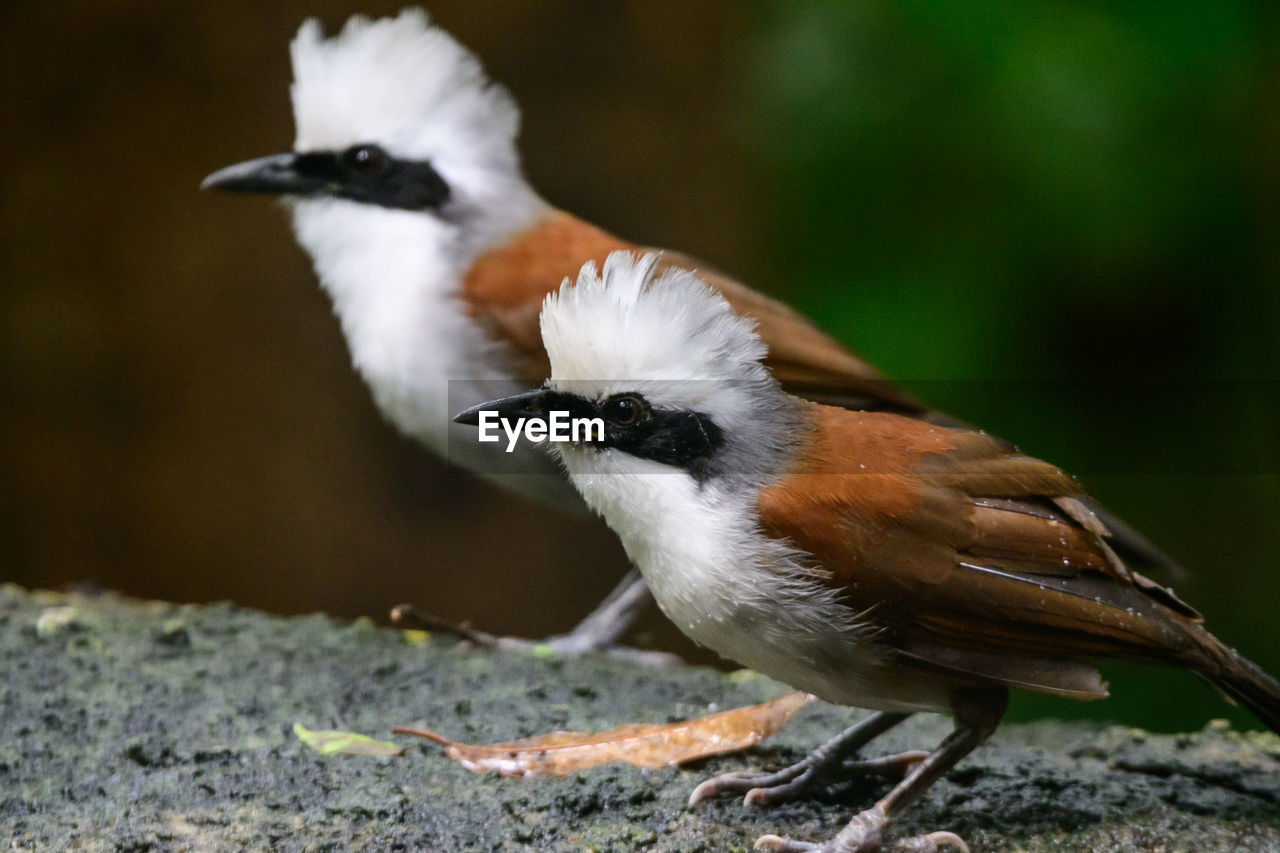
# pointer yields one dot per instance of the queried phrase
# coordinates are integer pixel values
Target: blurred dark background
(1058, 221)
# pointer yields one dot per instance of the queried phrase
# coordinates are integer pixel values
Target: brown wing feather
(504, 289)
(808, 362)
(966, 555)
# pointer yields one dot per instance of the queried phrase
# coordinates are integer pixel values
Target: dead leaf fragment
(641, 744)
(344, 743)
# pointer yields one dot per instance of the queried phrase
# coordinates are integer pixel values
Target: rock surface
(130, 726)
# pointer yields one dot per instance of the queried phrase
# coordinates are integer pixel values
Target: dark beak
(531, 404)
(277, 174)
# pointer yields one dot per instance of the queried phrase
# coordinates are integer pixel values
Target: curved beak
(531, 404)
(277, 174)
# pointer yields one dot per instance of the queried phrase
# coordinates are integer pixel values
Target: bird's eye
(364, 159)
(625, 411)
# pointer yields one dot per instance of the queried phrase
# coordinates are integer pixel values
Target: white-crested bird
(406, 189)
(871, 559)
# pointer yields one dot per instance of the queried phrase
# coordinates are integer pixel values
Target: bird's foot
(816, 770)
(574, 644)
(581, 641)
(865, 834)
(603, 627)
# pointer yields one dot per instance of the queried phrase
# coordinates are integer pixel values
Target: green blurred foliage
(1062, 219)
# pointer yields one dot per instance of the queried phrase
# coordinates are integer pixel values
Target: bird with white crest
(405, 187)
(871, 559)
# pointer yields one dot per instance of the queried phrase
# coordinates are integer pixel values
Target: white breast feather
(728, 586)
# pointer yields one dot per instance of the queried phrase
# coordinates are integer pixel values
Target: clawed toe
(737, 783)
(765, 789)
(783, 845)
(714, 787)
(889, 766)
(864, 834)
(930, 843)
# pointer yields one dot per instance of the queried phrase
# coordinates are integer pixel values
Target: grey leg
(605, 625)
(824, 765)
(978, 712)
(598, 632)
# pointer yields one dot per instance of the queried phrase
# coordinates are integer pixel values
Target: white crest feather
(628, 323)
(677, 342)
(403, 83)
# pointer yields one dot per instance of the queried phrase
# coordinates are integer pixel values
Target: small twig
(408, 616)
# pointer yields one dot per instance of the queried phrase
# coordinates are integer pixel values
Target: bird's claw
(764, 789)
(864, 834)
(932, 842)
(784, 845)
(571, 645)
(755, 785)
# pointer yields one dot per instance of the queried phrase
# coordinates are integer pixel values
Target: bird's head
(394, 114)
(674, 375)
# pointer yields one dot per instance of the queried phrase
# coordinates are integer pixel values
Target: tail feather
(1245, 682)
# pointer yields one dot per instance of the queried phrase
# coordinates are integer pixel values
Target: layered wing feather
(976, 560)
(504, 289)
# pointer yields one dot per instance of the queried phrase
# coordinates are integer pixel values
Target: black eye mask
(367, 173)
(682, 439)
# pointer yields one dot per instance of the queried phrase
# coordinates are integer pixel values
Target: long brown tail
(1242, 680)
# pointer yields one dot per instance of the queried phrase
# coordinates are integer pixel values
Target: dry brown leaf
(641, 744)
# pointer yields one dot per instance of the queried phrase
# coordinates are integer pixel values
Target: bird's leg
(604, 626)
(977, 713)
(598, 632)
(824, 765)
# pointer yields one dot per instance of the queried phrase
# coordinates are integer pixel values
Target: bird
(406, 189)
(868, 558)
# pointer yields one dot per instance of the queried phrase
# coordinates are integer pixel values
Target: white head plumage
(628, 322)
(402, 83)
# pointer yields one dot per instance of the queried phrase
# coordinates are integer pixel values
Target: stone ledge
(129, 726)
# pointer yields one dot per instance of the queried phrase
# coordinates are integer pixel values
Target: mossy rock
(131, 725)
